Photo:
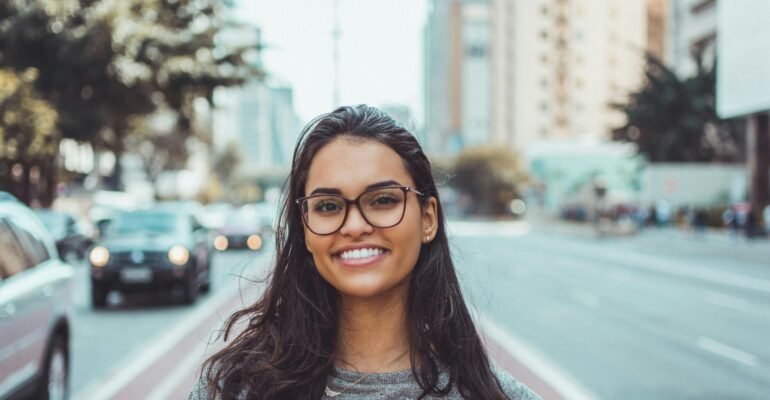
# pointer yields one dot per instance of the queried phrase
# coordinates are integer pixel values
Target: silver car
(35, 308)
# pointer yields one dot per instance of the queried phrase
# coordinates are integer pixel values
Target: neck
(373, 334)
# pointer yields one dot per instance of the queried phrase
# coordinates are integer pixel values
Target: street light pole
(758, 145)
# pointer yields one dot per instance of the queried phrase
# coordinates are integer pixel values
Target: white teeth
(360, 253)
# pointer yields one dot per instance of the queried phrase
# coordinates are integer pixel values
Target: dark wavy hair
(286, 351)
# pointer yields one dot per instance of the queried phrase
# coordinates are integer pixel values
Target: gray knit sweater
(349, 385)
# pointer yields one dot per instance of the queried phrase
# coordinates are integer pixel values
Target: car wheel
(55, 383)
(98, 296)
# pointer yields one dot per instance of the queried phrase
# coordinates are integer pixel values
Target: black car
(157, 249)
(71, 240)
(36, 306)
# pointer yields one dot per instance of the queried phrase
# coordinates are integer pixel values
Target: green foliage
(491, 176)
(674, 120)
(27, 122)
(28, 138)
(103, 63)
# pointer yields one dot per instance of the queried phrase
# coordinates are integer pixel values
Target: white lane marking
(726, 301)
(186, 367)
(126, 372)
(727, 351)
(585, 298)
(560, 380)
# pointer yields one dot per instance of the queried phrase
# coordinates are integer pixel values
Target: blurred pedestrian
(766, 219)
(699, 221)
(730, 220)
(364, 301)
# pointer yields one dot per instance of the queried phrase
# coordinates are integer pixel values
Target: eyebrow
(372, 186)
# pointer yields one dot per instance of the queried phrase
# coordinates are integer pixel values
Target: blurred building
(521, 71)
(260, 118)
(457, 74)
(657, 22)
(692, 30)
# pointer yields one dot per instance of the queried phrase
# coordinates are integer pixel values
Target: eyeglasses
(384, 207)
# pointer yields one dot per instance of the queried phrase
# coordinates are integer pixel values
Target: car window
(13, 259)
(31, 244)
(144, 223)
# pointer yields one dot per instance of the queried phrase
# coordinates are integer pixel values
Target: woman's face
(349, 166)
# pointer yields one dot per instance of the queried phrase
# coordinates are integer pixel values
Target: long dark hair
(287, 349)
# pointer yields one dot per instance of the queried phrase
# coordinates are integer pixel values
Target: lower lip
(362, 262)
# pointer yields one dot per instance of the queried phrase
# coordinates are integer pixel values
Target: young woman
(363, 302)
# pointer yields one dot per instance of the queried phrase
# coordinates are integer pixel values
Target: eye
(327, 206)
(384, 200)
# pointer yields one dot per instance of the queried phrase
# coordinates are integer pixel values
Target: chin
(368, 290)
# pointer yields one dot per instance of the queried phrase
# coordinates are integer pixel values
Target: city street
(661, 315)
(106, 341)
(664, 315)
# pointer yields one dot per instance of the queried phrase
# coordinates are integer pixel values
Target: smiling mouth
(361, 256)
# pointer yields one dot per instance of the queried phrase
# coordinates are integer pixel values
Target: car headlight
(254, 242)
(99, 256)
(178, 255)
(221, 243)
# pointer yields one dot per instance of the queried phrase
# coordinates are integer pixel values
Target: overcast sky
(380, 50)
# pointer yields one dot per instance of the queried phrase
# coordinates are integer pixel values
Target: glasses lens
(384, 207)
(324, 214)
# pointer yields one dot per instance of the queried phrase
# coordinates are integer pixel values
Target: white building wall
(568, 61)
(476, 75)
(691, 23)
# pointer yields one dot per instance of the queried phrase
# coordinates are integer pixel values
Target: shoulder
(514, 389)
(200, 390)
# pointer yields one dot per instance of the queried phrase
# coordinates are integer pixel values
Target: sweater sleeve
(199, 390)
(514, 389)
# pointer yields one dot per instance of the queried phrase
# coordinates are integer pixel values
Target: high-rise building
(457, 75)
(260, 118)
(657, 14)
(536, 69)
(692, 33)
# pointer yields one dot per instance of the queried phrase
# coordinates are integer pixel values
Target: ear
(429, 220)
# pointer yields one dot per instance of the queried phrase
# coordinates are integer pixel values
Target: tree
(28, 138)
(674, 120)
(102, 63)
(491, 176)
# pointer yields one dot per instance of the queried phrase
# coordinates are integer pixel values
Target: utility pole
(336, 54)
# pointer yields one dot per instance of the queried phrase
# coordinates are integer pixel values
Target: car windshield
(144, 223)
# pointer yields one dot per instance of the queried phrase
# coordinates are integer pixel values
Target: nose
(355, 224)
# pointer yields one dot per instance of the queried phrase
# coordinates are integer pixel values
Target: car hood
(239, 229)
(143, 242)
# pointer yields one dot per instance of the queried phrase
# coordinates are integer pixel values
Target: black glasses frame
(357, 203)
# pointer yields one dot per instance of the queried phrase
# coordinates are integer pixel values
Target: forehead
(351, 165)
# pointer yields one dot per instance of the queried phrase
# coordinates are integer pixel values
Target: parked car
(162, 248)
(70, 236)
(35, 308)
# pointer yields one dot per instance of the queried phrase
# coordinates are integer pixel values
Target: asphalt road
(661, 315)
(103, 340)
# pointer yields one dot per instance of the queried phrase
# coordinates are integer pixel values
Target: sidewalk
(543, 223)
